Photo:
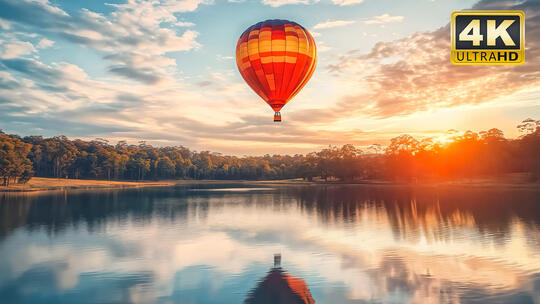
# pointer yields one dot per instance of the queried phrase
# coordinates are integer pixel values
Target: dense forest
(471, 154)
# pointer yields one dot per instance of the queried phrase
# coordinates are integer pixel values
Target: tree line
(471, 154)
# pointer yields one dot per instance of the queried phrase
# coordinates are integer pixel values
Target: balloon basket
(277, 117)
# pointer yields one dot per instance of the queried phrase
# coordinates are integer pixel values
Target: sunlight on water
(338, 244)
(233, 189)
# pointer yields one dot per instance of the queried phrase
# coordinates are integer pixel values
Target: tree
(529, 125)
(528, 150)
(400, 157)
(326, 164)
(349, 162)
(165, 167)
(14, 163)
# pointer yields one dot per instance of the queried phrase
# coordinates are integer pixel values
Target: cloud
(7, 81)
(221, 57)
(33, 68)
(184, 24)
(322, 47)
(384, 18)
(204, 83)
(146, 75)
(37, 13)
(331, 24)
(414, 73)
(15, 48)
(45, 43)
(61, 98)
(277, 3)
(135, 28)
(4, 24)
(347, 2)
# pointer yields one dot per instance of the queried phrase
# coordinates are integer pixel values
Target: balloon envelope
(276, 58)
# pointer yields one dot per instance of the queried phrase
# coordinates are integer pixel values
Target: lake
(242, 243)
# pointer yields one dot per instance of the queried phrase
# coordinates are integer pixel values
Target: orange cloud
(415, 74)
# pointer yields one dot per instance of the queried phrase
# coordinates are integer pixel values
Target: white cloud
(179, 6)
(322, 47)
(221, 57)
(384, 18)
(346, 2)
(15, 48)
(45, 4)
(45, 43)
(276, 3)
(141, 24)
(217, 76)
(4, 24)
(331, 24)
(184, 24)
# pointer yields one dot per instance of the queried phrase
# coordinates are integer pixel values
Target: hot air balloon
(276, 58)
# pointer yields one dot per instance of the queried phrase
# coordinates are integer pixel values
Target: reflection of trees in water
(409, 210)
(55, 211)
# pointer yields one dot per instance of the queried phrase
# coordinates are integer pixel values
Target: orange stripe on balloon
(310, 67)
(302, 60)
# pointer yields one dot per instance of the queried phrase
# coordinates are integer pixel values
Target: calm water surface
(216, 244)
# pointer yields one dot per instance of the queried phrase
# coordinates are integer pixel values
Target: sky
(163, 71)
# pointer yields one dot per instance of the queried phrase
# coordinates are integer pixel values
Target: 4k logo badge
(488, 37)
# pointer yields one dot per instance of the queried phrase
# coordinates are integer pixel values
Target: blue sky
(163, 71)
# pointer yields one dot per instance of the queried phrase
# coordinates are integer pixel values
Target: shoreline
(46, 184)
(38, 184)
(41, 184)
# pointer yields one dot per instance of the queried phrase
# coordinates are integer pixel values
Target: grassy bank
(44, 184)
(51, 184)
